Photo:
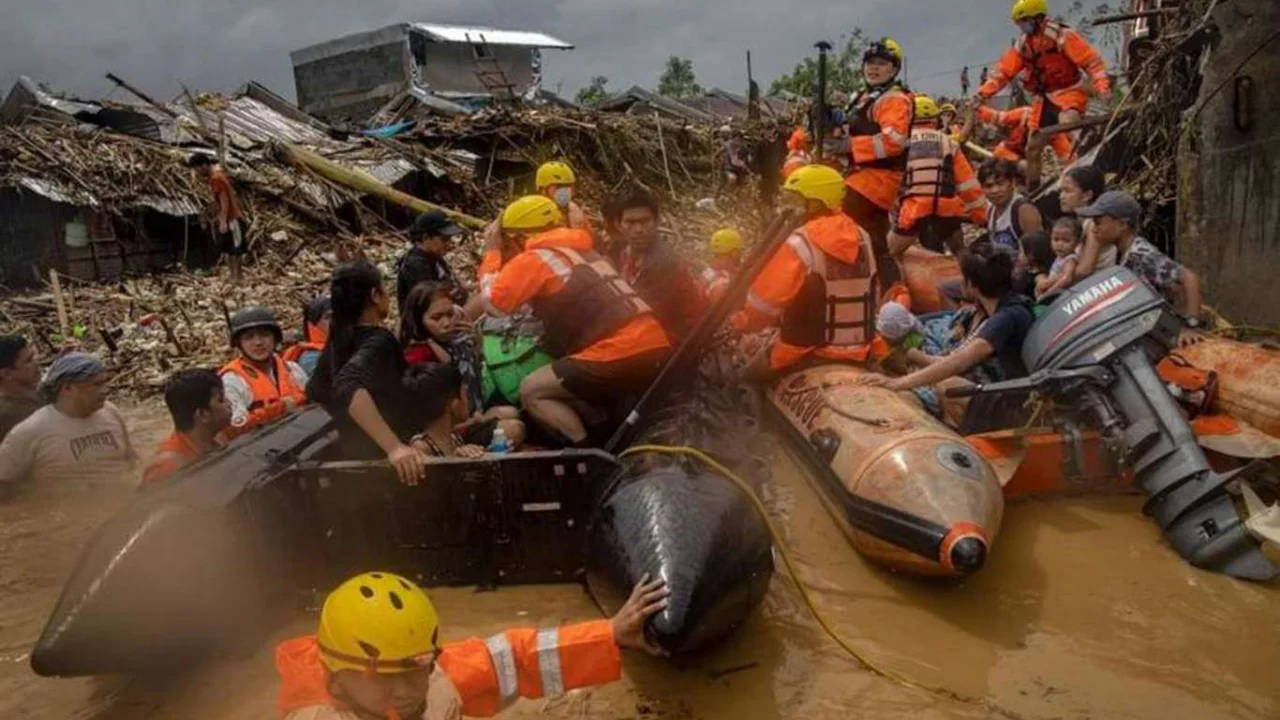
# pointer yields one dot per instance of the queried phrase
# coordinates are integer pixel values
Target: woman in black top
(358, 377)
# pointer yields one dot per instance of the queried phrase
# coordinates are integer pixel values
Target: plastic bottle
(499, 445)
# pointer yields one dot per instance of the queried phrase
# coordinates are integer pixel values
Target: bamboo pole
(366, 183)
(63, 323)
(978, 150)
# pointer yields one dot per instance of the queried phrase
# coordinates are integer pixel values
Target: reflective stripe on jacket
(1049, 61)
(587, 310)
(489, 675)
(880, 129)
(819, 285)
(937, 169)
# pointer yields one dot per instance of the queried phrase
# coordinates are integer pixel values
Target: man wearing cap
(1118, 217)
(19, 378)
(432, 236)
(78, 438)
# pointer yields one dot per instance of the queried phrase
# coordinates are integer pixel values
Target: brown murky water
(1082, 612)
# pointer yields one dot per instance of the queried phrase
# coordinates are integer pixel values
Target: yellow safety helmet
(886, 49)
(531, 213)
(725, 241)
(948, 108)
(554, 173)
(1027, 9)
(926, 108)
(380, 623)
(819, 183)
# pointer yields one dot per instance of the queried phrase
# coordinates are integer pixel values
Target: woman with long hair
(1080, 187)
(358, 377)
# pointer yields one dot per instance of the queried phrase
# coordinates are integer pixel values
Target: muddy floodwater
(1081, 612)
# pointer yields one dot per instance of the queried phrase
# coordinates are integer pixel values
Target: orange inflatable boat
(1248, 380)
(923, 271)
(914, 496)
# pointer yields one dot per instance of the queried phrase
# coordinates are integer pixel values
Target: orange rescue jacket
(176, 452)
(268, 394)
(879, 130)
(489, 675)
(577, 324)
(820, 285)
(1050, 61)
(938, 171)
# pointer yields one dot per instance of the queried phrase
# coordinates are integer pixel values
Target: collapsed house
(450, 68)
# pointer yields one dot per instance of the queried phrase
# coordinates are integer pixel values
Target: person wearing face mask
(557, 181)
(879, 127)
(1052, 60)
(819, 287)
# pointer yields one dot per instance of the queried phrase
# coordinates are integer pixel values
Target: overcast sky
(219, 44)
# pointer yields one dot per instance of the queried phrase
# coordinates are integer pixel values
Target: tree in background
(595, 93)
(678, 80)
(844, 69)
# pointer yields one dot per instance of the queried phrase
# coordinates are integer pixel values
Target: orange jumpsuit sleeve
(269, 411)
(774, 289)
(1086, 57)
(969, 189)
(520, 280)
(893, 115)
(491, 674)
(1007, 69)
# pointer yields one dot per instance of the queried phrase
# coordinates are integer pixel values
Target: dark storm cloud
(219, 44)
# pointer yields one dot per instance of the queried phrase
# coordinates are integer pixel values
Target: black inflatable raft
(216, 559)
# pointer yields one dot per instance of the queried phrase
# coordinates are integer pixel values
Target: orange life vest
(930, 165)
(1048, 69)
(594, 302)
(263, 387)
(867, 123)
(836, 302)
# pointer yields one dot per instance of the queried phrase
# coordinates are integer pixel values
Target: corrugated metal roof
(58, 192)
(254, 122)
(490, 36)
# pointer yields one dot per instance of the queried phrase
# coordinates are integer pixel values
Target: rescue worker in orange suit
(797, 152)
(820, 286)
(1016, 126)
(608, 344)
(879, 124)
(1052, 60)
(315, 333)
(554, 180)
(939, 189)
(197, 403)
(726, 247)
(260, 385)
(378, 654)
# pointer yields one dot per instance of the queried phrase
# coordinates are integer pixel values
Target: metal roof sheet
(490, 36)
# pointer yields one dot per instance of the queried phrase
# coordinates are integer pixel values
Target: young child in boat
(436, 390)
(1065, 240)
(904, 335)
(431, 331)
(1035, 253)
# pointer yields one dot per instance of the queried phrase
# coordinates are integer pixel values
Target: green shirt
(16, 408)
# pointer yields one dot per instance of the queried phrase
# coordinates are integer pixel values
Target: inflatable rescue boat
(915, 497)
(218, 557)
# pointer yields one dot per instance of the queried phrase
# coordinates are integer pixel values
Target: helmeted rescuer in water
(378, 654)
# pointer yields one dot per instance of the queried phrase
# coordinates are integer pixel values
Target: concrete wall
(452, 67)
(352, 85)
(1229, 185)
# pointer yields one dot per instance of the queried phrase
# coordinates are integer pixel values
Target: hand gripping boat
(1093, 356)
(917, 498)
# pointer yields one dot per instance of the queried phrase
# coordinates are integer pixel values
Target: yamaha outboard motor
(1094, 352)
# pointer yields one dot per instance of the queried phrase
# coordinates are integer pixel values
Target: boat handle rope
(742, 486)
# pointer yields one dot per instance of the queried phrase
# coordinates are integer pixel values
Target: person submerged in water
(378, 654)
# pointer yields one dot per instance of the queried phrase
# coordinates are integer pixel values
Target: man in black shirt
(432, 236)
(995, 352)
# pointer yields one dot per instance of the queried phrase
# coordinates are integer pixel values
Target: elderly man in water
(77, 439)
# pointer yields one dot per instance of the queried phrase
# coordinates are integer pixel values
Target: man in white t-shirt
(78, 439)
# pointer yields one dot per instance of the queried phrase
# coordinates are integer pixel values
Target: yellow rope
(750, 494)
